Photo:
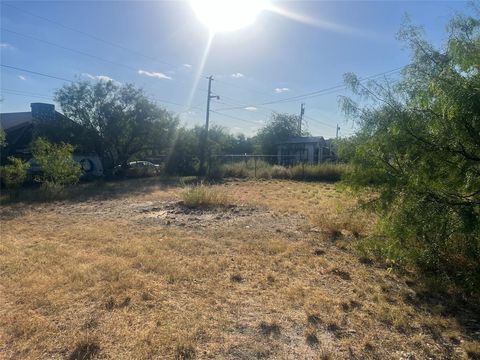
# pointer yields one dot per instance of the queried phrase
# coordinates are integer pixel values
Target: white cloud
(281, 90)
(5, 46)
(21, 77)
(251, 108)
(238, 75)
(187, 66)
(157, 75)
(104, 78)
(101, 78)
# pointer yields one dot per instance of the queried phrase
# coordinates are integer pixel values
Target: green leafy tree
(14, 174)
(57, 167)
(183, 155)
(3, 138)
(419, 147)
(3, 147)
(279, 128)
(239, 144)
(119, 121)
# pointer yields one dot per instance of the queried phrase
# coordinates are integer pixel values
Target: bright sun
(227, 15)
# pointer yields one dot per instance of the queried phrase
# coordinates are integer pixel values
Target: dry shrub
(264, 173)
(236, 170)
(280, 172)
(338, 219)
(185, 351)
(320, 172)
(236, 278)
(264, 170)
(311, 338)
(84, 350)
(203, 196)
(472, 348)
(269, 329)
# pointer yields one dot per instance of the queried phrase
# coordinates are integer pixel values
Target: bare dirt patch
(175, 213)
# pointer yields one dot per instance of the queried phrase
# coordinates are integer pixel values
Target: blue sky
(159, 46)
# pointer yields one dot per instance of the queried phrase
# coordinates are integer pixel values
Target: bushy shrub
(57, 167)
(14, 174)
(417, 147)
(202, 196)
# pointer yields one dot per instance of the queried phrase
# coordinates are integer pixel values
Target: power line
(35, 72)
(233, 105)
(318, 121)
(242, 105)
(97, 38)
(22, 91)
(69, 49)
(50, 43)
(322, 91)
(285, 100)
(108, 42)
(245, 88)
(261, 105)
(235, 118)
(69, 80)
(269, 109)
(25, 94)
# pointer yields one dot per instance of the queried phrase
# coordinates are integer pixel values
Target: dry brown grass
(101, 279)
(203, 196)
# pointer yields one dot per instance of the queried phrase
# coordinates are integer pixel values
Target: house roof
(10, 121)
(303, 140)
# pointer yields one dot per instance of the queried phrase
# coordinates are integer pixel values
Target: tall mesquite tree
(279, 128)
(419, 147)
(120, 120)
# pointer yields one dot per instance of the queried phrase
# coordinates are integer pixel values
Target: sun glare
(227, 15)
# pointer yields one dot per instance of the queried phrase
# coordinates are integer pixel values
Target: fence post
(303, 170)
(255, 162)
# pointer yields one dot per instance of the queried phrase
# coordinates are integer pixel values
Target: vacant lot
(126, 271)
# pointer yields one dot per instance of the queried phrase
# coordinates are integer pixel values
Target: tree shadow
(93, 190)
(433, 298)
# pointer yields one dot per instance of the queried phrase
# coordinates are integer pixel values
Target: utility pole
(302, 112)
(338, 129)
(204, 144)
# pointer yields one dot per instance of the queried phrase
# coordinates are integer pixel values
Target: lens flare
(227, 15)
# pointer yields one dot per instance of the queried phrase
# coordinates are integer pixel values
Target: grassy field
(128, 271)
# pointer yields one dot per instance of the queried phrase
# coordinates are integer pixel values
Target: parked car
(139, 168)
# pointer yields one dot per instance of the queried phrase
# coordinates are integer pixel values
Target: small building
(305, 149)
(20, 129)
